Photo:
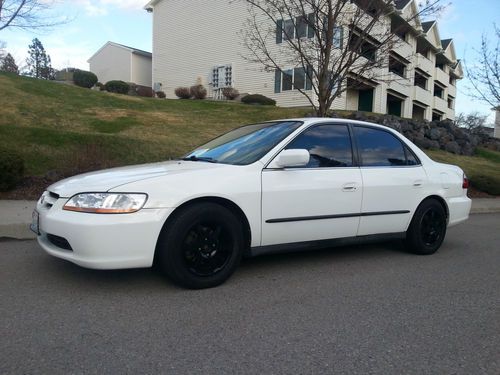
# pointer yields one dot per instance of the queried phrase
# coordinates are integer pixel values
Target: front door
(319, 201)
(365, 100)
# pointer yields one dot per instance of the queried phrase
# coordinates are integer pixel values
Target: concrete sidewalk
(15, 216)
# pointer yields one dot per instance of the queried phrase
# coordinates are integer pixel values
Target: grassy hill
(64, 129)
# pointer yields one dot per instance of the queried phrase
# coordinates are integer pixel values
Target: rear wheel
(427, 228)
(201, 246)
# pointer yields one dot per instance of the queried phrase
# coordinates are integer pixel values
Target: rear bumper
(102, 241)
(459, 210)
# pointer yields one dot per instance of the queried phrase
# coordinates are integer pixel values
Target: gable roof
(427, 25)
(149, 6)
(445, 43)
(133, 50)
(401, 4)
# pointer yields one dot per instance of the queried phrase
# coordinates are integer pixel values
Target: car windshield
(244, 145)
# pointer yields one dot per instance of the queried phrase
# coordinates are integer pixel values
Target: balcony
(440, 104)
(441, 76)
(423, 96)
(399, 84)
(423, 63)
(452, 90)
(403, 49)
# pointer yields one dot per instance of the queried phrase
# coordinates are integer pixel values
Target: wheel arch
(224, 202)
(441, 201)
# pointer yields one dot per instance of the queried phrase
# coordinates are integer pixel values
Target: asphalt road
(358, 310)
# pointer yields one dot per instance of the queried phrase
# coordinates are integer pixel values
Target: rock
(435, 134)
(452, 147)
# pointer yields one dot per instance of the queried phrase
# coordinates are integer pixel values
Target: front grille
(59, 242)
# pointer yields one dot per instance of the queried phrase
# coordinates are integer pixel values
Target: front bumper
(101, 241)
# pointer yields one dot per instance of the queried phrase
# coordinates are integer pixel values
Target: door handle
(418, 183)
(350, 187)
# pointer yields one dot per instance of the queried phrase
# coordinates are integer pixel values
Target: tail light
(465, 183)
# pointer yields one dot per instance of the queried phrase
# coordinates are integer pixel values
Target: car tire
(201, 246)
(427, 229)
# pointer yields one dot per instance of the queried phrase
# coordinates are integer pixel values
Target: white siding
(111, 63)
(141, 70)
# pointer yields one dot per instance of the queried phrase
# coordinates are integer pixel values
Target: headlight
(106, 203)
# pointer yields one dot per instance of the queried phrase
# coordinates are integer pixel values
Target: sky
(91, 23)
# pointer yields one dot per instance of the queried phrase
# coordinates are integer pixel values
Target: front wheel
(201, 246)
(427, 228)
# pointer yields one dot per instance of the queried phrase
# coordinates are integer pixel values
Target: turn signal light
(465, 184)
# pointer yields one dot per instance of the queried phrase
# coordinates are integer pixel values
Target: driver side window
(329, 146)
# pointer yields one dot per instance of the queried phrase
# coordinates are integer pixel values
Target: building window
(398, 29)
(422, 48)
(452, 81)
(436, 116)
(451, 102)
(396, 66)
(222, 76)
(362, 45)
(292, 79)
(440, 66)
(338, 36)
(300, 27)
(369, 6)
(438, 91)
(420, 80)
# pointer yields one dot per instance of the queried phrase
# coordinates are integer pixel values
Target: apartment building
(201, 41)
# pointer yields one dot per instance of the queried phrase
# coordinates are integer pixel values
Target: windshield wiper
(200, 158)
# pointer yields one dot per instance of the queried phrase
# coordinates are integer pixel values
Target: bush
(230, 93)
(11, 170)
(258, 99)
(118, 87)
(85, 79)
(183, 92)
(161, 94)
(145, 91)
(198, 92)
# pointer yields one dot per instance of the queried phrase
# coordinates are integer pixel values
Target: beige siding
(111, 63)
(141, 70)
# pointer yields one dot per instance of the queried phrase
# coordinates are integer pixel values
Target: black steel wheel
(428, 228)
(201, 246)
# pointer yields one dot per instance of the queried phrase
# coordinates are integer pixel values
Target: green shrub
(85, 79)
(183, 92)
(198, 92)
(161, 94)
(230, 93)
(11, 169)
(258, 99)
(118, 87)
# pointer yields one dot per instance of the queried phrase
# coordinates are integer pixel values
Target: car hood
(105, 180)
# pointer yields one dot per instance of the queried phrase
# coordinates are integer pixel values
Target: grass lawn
(67, 129)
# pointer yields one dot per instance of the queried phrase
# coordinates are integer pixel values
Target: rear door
(319, 201)
(393, 181)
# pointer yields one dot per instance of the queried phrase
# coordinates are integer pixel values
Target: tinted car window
(411, 159)
(379, 148)
(328, 145)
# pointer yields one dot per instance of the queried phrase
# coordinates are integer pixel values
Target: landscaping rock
(452, 147)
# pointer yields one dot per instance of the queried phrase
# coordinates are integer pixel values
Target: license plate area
(35, 222)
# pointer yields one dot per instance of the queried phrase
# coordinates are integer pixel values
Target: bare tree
(28, 14)
(339, 44)
(474, 121)
(485, 76)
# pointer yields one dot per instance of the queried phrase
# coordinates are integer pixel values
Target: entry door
(319, 201)
(365, 100)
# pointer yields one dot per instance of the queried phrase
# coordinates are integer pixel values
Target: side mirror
(291, 158)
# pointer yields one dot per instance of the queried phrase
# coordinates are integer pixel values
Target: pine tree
(39, 64)
(9, 64)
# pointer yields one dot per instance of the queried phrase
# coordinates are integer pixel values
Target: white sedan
(261, 188)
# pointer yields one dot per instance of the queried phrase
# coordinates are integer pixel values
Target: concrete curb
(15, 216)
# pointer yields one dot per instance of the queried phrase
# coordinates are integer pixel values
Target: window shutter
(309, 75)
(277, 81)
(279, 31)
(310, 27)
